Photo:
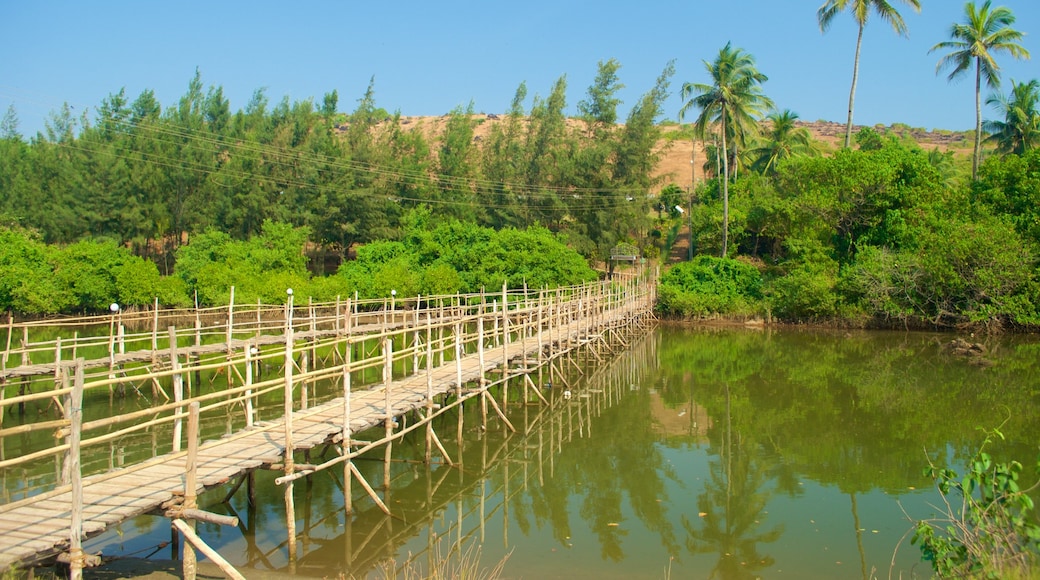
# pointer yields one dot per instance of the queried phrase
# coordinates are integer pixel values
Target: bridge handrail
(455, 319)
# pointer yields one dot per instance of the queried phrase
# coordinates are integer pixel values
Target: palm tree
(784, 140)
(860, 12)
(1020, 129)
(735, 101)
(984, 33)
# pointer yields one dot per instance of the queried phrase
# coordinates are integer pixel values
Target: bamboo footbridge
(398, 365)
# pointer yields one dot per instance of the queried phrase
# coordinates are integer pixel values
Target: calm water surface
(696, 453)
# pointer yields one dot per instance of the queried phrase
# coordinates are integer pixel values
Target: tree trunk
(978, 120)
(852, 93)
(725, 186)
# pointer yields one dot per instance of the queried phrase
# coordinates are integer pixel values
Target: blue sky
(429, 57)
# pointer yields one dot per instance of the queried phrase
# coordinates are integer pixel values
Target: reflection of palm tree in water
(732, 506)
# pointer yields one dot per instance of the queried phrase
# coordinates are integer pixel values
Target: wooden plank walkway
(37, 527)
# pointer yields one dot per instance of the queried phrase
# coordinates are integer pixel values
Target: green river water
(694, 453)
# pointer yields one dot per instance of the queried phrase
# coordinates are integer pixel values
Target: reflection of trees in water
(604, 471)
(733, 505)
(854, 410)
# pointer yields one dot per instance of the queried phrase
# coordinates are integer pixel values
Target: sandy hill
(676, 155)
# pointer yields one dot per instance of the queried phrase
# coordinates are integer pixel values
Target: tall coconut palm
(735, 101)
(861, 10)
(985, 32)
(784, 140)
(1020, 129)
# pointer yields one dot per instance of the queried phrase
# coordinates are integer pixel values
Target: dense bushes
(459, 257)
(84, 277)
(876, 236)
(710, 285)
(87, 276)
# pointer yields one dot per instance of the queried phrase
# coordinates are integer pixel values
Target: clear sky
(429, 57)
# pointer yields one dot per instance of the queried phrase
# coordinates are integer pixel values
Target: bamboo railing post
(388, 419)
(190, 565)
(198, 322)
(483, 382)
(76, 529)
(287, 407)
(7, 347)
(290, 467)
(505, 345)
(178, 388)
(312, 314)
(57, 365)
(429, 388)
(155, 325)
(248, 351)
(347, 496)
(230, 327)
(415, 335)
(259, 318)
(458, 376)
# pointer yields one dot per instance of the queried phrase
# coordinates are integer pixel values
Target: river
(694, 453)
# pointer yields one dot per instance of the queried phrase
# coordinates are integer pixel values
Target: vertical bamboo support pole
(458, 376)
(290, 467)
(111, 348)
(505, 345)
(313, 340)
(348, 502)
(248, 351)
(198, 322)
(287, 391)
(429, 388)
(415, 335)
(190, 565)
(155, 325)
(483, 383)
(259, 319)
(388, 421)
(57, 364)
(337, 327)
(10, 333)
(75, 413)
(66, 471)
(26, 360)
(178, 388)
(121, 331)
(230, 325)
(495, 316)
(354, 314)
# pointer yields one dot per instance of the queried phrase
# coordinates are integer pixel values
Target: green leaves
(994, 533)
(709, 285)
(458, 257)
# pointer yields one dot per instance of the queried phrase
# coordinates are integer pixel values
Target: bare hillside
(681, 160)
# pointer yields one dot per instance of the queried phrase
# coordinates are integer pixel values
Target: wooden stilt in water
(178, 388)
(189, 563)
(75, 409)
(388, 420)
(429, 390)
(347, 464)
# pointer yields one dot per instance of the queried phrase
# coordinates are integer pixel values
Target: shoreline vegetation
(183, 203)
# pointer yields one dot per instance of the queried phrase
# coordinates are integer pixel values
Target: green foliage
(460, 257)
(261, 268)
(84, 277)
(1010, 186)
(807, 289)
(987, 529)
(709, 285)
(868, 139)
